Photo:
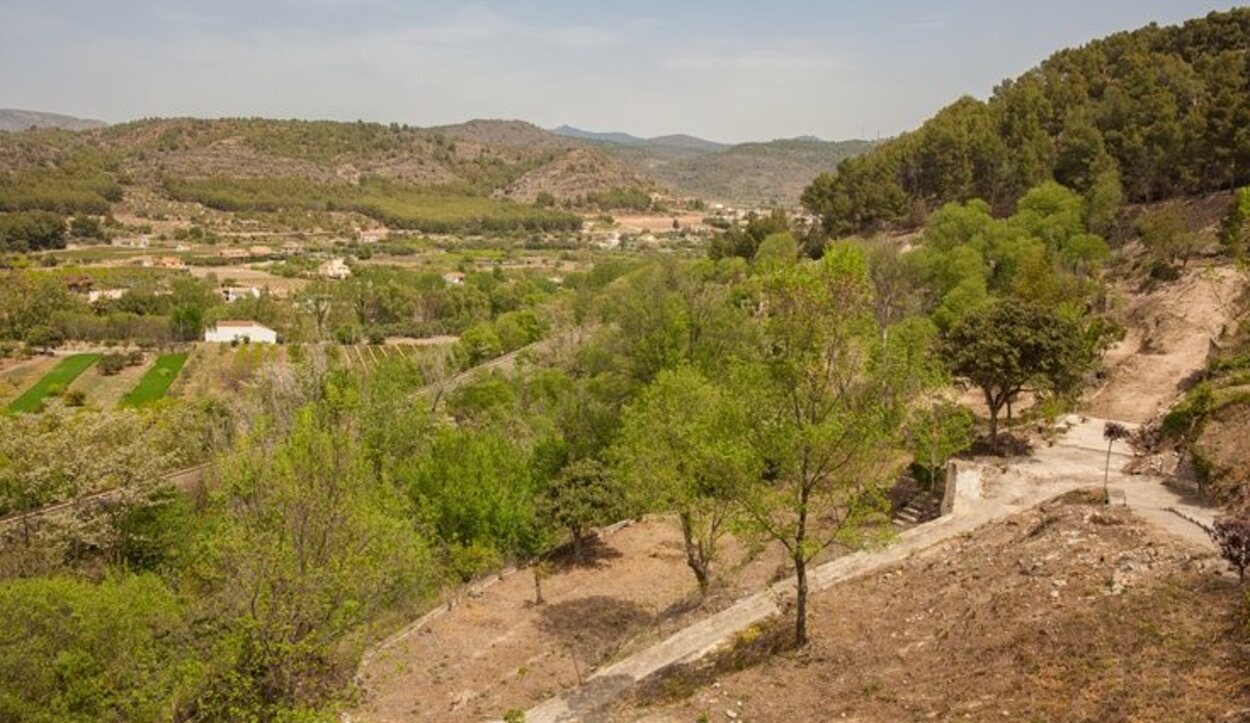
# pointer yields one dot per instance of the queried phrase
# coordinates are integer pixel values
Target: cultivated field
(156, 380)
(56, 380)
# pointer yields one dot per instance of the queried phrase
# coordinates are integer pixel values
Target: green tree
(1011, 347)
(938, 431)
(43, 338)
(1166, 236)
(777, 251)
(580, 496)
(479, 343)
(187, 322)
(682, 449)
(825, 406)
(312, 546)
(63, 643)
(1235, 228)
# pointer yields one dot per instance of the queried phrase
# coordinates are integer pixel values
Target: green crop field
(58, 379)
(155, 382)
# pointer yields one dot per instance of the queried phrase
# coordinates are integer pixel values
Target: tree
(1235, 228)
(43, 338)
(681, 449)
(1012, 346)
(824, 404)
(312, 545)
(187, 321)
(1232, 535)
(580, 496)
(939, 430)
(479, 343)
(1112, 432)
(1166, 237)
(776, 251)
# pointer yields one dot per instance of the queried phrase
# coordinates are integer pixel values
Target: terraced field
(105, 392)
(59, 379)
(156, 380)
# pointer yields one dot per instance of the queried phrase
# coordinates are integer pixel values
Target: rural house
(335, 269)
(226, 332)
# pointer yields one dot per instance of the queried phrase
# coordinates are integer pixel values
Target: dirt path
(1169, 335)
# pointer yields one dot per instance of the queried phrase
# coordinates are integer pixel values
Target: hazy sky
(721, 69)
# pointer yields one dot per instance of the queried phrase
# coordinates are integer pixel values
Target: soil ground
(496, 650)
(250, 276)
(1169, 333)
(104, 392)
(1067, 612)
(16, 375)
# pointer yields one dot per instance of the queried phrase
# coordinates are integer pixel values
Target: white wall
(227, 334)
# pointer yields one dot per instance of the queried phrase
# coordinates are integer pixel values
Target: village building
(96, 296)
(335, 269)
(233, 293)
(226, 332)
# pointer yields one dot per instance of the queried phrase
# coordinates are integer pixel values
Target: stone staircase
(922, 507)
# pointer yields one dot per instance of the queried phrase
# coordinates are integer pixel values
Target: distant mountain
(13, 120)
(624, 139)
(674, 142)
(769, 173)
(764, 173)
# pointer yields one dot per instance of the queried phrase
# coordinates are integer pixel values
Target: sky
(721, 69)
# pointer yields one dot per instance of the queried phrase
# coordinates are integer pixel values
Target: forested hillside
(1153, 113)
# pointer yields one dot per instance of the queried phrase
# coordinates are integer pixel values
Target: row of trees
(1158, 112)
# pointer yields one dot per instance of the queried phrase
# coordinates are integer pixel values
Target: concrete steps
(921, 508)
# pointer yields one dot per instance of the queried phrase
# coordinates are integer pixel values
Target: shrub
(75, 398)
(111, 364)
(1232, 536)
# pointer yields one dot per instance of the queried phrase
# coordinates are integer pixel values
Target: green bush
(76, 650)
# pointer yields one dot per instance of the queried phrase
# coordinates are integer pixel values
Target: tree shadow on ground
(593, 628)
(595, 553)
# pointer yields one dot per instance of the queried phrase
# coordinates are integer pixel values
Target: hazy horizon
(721, 71)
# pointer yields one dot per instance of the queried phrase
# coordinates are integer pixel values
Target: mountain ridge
(16, 120)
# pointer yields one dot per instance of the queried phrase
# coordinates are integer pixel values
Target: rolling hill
(1148, 115)
(762, 173)
(12, 120)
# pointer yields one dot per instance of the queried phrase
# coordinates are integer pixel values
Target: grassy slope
(62, 375)
(156, 381)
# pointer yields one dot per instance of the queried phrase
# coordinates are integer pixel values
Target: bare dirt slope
(495, 650)
(1169, 331)
(1066, 612)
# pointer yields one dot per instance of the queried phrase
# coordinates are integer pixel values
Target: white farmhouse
(233, 293)
(229, 331)
(335, 269)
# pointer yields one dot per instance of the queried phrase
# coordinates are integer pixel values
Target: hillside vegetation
(1152, 113)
